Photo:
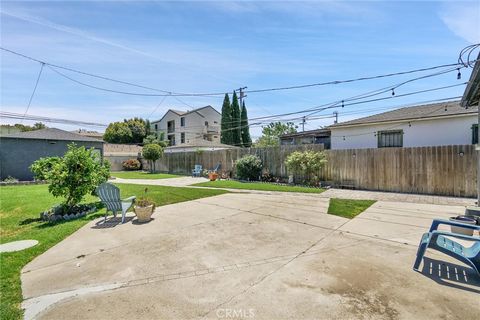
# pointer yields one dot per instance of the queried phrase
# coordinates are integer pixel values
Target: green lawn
(232, 184)
(20, 208)
(142, 175)
(348, 208)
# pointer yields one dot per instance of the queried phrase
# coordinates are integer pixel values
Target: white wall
(421, 133)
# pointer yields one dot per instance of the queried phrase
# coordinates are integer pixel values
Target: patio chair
(197, 172)
(440, 241)
(217, 167)
(110, 196)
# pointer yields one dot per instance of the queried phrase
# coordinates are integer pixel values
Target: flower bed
(59, 213)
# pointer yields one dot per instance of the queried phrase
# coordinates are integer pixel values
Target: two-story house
(188, 127)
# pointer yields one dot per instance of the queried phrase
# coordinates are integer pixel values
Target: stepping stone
(17, 245)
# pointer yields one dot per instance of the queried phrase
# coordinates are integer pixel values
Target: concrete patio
(253, 255)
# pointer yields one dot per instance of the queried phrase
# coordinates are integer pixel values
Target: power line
(341, 103)
(33, 92)
(83, 72)
(13, 115)
(327, 106)
(401, 95)
(458, 65)
(158, 106)
(354, 79)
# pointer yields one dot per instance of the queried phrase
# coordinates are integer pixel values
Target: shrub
(131, 164)
(42, 167)
(307, 163)
(249, 167)
(75, 175)
(152, 152)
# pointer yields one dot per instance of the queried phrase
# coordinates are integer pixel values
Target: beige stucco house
(189, 127)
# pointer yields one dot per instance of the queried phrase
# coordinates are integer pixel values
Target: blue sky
(219, 46)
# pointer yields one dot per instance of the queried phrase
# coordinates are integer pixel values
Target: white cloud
(463, 19)
(73, 31)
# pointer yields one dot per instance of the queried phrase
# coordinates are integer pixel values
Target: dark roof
(471, 96)
(50, 134)
(92, 134)
(183, 113)
(427, 111)
(324, 132)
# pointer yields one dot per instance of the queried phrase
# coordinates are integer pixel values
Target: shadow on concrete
(451, 275)
(111, 223)
(140, 223)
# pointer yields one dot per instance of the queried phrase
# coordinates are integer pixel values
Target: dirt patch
(362, 289)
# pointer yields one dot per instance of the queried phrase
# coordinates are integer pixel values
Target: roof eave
(401, 120)
(471, 96)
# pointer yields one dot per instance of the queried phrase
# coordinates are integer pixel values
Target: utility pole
(303, 123)
(335, 114)
(242, 95)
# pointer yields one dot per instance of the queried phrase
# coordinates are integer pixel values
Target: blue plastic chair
(438, 240)
(197, 172)
(110, 196)
(217, 167)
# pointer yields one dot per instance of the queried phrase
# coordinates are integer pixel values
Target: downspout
(478, 156)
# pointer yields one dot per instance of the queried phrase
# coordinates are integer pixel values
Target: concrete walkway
(256, 256)
(331, 193)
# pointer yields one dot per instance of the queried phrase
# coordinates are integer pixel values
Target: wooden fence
(441, 170)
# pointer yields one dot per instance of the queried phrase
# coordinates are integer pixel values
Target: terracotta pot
(144, 214)
(212, 176)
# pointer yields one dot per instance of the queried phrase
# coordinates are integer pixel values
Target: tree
(157, 138)
(246, 139)
(226, 134)
(272, 132)
(118, 132)
(138, 128)
(152, 152)
(235, 126)
(74, 175)
(42, 167)
(148, 128)
(38, 126)
(129, 131)
(23, 128)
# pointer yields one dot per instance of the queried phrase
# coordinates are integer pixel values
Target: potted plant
(144, 208)
(212, 176)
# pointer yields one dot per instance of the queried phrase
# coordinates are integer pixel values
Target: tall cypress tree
(226, 134)
(246, 139)
(235, 125)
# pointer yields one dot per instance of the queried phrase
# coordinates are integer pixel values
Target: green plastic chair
(442, 241)
(110, 196)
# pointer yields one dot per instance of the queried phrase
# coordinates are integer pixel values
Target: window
(390, 138)
(171, 139)
(182, 122)
(475, 134)
(156, 127)
(170, 126)
(206, 123)
(182, 137)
